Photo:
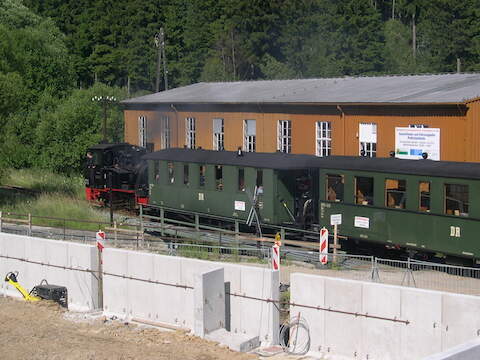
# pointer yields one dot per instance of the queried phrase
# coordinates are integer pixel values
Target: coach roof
(282, 161)
(413, 89)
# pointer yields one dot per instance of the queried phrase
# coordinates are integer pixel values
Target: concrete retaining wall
(82, 286)
(467, 351)
(128, 298)
(438, 320)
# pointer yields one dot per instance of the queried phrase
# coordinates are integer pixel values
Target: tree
(398, 51)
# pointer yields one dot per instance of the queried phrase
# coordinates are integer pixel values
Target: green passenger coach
(430, 208)
(281, 187)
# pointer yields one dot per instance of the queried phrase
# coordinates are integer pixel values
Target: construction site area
(222, 294)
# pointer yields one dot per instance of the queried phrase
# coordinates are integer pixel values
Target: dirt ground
(43, 330)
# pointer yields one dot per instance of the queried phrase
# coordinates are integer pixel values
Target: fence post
(282, 234)
(1, 221)
(237, 233)
(136, 234)
(162, 221)
(141, 225)
(29, 224)
(375, 275)
(197, 226)
(115, 233)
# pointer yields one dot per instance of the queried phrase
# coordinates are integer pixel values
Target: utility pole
(105, 101)
(160, 44)
(414, 37)
(165, 72)
(233, 58)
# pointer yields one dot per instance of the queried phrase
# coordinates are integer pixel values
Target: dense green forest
(57, 54)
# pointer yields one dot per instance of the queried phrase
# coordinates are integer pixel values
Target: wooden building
(337, 116)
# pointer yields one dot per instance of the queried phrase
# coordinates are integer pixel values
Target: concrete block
(236, 342)
(260, 317)
(380, 338)
(310, 289)
(467, 351)
(115, 289)
(209, 299)
(141, 302)
(342, 330)
(190, 268)
(423, 308)
(460, 322)
(170, 301)
(82, 286)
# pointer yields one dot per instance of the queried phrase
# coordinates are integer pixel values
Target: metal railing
(218, 253)
(427, 275)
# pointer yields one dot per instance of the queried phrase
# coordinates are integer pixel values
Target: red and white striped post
(323, 253)
(100, 236)
(276, 257)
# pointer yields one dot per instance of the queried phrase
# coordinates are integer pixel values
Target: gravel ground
(43, 330)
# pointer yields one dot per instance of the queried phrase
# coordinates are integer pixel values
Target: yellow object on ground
(11, 278)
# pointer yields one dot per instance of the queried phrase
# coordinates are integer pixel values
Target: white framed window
(142, 131)
(218, 134)
(165, 132)
(284, 136)
(324, 138)
(367, 138)
(190, 132)
(249, 135)
(418, 126)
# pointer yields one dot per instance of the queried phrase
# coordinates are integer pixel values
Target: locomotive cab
(116, 168)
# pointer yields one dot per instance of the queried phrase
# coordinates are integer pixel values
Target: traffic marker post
(100, 236)
(276, 257)
(323, 252)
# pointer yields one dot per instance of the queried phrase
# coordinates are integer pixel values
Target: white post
(29, 224)
(335, 243)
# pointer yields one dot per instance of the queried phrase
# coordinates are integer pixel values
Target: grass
(53, 195)
(44, 181)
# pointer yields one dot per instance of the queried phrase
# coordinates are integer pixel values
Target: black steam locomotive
(116, 173)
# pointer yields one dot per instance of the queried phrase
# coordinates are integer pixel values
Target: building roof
(413, 89)
(282, 161)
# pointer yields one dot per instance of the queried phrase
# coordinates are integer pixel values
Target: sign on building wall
(410, 143)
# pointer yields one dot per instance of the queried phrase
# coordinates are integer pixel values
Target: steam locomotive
(116, 174)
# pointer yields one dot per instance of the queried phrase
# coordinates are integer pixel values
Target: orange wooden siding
(459, 133)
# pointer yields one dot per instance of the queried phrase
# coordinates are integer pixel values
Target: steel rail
(329, 309)
(93, 272)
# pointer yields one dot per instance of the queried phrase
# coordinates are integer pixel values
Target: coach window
(241, 180)
(171, 174)
(259, 182)
(335, 185)
(219, 177)
(456, 199)
(201, 170)
(395, 193)
(363, 190)
(424, 189)
(186, 180)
